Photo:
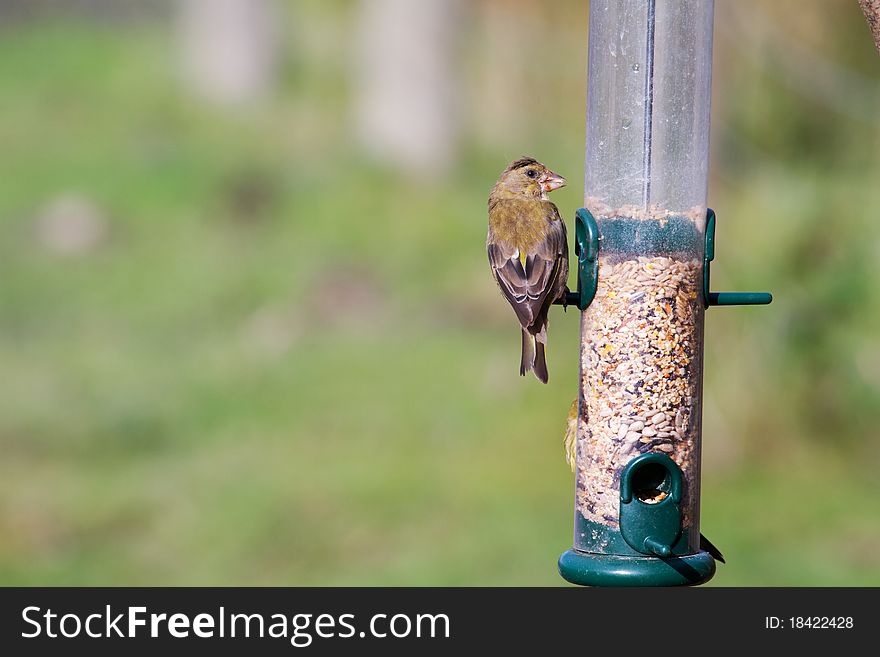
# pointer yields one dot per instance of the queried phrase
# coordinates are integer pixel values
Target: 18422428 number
(821, 622)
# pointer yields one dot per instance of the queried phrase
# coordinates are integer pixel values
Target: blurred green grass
(284, 365)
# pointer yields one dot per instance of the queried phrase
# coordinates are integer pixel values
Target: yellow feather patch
(570, 439)
(522, 258)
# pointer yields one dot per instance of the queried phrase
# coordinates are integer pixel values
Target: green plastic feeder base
(615, 570)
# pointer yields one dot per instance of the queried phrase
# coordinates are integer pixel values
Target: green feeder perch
(644, 241)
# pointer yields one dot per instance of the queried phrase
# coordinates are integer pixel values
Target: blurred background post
(228, 48)
(404, 80)
(248, 332)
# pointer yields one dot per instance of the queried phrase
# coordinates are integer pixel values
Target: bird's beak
(552, 181)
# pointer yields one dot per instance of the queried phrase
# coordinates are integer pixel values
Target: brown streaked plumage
(528, 252)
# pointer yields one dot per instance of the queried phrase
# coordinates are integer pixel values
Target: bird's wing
(562, 254)
(509, 272)
(527, 281)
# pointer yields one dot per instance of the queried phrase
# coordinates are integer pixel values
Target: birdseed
(641, 376)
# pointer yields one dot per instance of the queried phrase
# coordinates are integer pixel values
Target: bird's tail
(527, 361)
(533, 356)
(706, 544)
(540, 362)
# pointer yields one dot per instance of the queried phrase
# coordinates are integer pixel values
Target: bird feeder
(644, 241)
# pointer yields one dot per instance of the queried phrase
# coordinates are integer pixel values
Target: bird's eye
(531, 173)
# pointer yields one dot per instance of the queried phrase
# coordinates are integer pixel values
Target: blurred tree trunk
(228, 48)
(871, 8)
(406, 86)
(505, 29)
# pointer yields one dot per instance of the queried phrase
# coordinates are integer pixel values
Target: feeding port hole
(651, 483)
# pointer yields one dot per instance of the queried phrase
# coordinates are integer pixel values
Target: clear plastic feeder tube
(650, 74)
(647, 151)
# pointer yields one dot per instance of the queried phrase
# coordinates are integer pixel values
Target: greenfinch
(528, 252)
(569, 440)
